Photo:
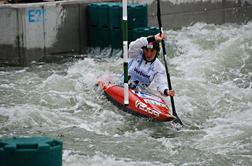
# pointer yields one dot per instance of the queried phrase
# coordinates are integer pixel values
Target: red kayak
(141, 103)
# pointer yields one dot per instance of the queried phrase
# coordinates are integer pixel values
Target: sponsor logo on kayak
(145, 95)
(145, 108)
(155, 103)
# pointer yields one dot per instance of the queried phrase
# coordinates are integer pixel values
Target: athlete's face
(150, 53)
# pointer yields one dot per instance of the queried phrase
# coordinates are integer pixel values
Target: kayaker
(144, 66)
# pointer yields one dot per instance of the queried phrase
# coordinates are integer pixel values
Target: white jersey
(143, 71)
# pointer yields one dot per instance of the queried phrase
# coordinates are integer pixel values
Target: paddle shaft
(125, 52)
(166, 66)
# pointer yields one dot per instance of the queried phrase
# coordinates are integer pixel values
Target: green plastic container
(93, 14)
(116, 38)
(139, 32)
(130, 35)
(93, 37)
(104, 37)
(103, 15)
(105, 24)
(98, 14)
(137, 16)
(34, 151)
(143, 31)
(115, 15)
(153, 30)
(99, 37)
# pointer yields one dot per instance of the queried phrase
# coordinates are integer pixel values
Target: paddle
(166, 66)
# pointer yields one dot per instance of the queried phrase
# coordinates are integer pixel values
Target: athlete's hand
(169, 92)
(159, 38)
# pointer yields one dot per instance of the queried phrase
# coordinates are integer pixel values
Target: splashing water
(210, 67)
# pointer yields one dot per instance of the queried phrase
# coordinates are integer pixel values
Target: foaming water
(210, 68)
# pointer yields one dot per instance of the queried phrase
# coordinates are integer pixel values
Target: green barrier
(34, 151)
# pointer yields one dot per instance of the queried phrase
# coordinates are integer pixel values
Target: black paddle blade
(177, 120)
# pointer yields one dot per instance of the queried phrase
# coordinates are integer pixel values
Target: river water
(211, 72)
